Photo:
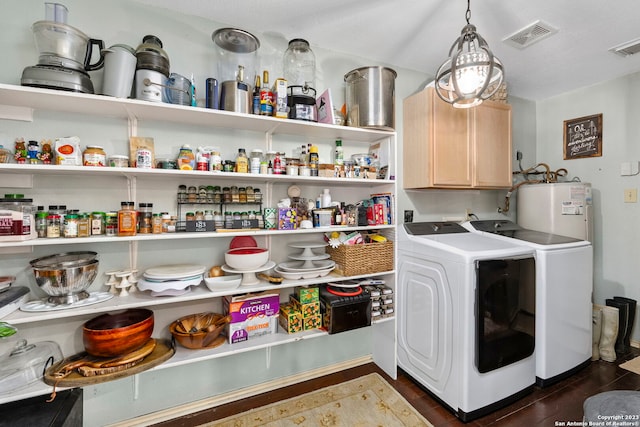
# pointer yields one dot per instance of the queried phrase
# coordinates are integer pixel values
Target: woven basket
(353, 260)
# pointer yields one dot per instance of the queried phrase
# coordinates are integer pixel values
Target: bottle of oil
(266, 96)
(242, 161)
(255, 108)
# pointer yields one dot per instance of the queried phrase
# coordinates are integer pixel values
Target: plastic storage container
(17, 220)
(26, 364)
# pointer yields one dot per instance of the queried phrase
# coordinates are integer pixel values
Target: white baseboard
(211, 402)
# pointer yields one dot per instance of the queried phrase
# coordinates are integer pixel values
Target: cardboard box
(287, 219)
(312, 322)
(279, 90)
(307, 294)
(307, 310)
(290, 318)
(252, 315)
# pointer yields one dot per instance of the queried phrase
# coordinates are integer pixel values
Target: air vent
(627, 49)
(530, 34)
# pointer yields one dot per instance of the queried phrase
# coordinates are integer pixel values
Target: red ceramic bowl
(117, 334)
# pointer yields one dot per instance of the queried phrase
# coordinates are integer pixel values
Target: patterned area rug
(632, 365)
(367, 401)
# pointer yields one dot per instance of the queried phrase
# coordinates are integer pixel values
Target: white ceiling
(417, 34)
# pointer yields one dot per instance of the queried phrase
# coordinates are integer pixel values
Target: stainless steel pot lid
(235, 40)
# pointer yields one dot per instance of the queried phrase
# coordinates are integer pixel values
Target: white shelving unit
(23, 103)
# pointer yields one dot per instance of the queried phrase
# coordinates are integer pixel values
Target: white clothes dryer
(466, 326)
(564, 286)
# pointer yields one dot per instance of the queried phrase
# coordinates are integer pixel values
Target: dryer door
(425, 325)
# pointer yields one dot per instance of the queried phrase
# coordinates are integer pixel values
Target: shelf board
(182, 235)
(144, 299)
(22, 101)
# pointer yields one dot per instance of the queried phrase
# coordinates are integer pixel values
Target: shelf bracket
(132, 125)
(268, 357)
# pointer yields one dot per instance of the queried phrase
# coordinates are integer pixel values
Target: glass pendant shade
(471, 74)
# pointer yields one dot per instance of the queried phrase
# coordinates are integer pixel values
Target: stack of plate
(309, 264)
(171, 280)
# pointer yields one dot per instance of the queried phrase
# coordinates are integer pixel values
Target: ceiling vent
(627, 49)
(530, 34)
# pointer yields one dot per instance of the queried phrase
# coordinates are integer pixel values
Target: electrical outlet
(631, 195)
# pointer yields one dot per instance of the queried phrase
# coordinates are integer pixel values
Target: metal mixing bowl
(64, 277)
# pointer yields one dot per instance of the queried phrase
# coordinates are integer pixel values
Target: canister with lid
(16, 218)
(53, 226)
(70, 225)
(97, 223)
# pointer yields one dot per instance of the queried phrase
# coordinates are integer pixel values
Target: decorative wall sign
(583, 137)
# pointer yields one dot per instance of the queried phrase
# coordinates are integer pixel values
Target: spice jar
(97, 223)
(84, 225)
(70, 225)
(192, 194)
(226, 194)
(41, 223)
(111, 224)
(257, 195)
(251, 198)
(53, 226)
(242, 195)
(182, 193)
(156, 223)
(217, 194)
(145, 217)
(235, 194)
(127, 219)
(190, 216)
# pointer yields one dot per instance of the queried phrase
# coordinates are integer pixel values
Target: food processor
(65, 58)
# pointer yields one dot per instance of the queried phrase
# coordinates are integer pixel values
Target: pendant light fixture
(471, 74)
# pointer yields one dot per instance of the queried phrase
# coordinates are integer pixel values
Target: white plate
(305, 257)
(223, 283)
(171, 292)
(269, 265)
(174, 272)
(297, 275)
(145, 285)
(300, 266)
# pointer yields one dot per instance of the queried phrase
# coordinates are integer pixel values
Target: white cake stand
(307, 255)
(249, 277)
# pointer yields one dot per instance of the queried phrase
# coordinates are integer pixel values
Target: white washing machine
(466, 326)
(564, 271)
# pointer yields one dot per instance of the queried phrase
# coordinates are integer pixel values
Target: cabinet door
(451, 146)
(436, 146)
(491, 134)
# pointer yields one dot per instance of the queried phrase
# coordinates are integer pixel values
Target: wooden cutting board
(163, 351)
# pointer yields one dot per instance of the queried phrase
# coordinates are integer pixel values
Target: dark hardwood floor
(543, 407)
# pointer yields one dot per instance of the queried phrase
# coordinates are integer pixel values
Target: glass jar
(257, 195)
(41, 223)
(210, 193)
(156, 223)
(84, 225)
(242, 195)
(251, 198)
(202, 194)
(299, 65)
(226, 194)
(190, 216)
(70, 225)
(228, 220)
(111, 224)
(217, 194)
(97, 223)
(199, 216)
(53, 226)
(182, 194)
(166, 220)
(192, 194)
(235, 194)
(218, 220)
(145, 217)
(242, 161)
(94, 155)
(127, 219)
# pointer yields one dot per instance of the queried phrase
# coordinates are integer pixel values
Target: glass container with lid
(26, 363)
(299, 64)
(235, 48)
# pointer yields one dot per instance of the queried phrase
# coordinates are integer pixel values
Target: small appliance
(152, 69)
(65, 58)
(299, 65)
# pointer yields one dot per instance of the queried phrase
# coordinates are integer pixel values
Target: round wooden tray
(163, 351)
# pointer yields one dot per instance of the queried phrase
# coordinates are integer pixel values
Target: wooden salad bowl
(116, 334)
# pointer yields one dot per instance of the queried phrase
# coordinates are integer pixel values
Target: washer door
(425, 323)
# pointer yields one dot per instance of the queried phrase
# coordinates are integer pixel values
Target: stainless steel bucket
(370, 97)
